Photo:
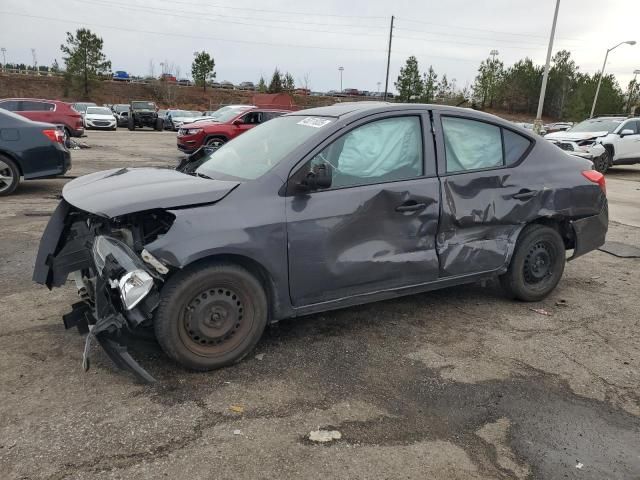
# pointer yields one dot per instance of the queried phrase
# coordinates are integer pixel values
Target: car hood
(573, 136)
(98, 116)
(127, 190)
(182, 119)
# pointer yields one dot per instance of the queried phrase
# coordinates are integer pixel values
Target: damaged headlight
(112, 257)
(134, 286)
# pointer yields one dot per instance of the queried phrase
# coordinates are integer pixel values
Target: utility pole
(537, 124)
(386, 82)
(35, 62)
(4, 58)
(341, 69)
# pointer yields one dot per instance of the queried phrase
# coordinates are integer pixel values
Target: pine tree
(430, 85)
(202, 69)
(288, 84)
(84, 59)
(409, 83)
(276, 82)
(262, 86)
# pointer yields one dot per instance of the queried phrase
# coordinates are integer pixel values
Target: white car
(610, 140)
(99, 117)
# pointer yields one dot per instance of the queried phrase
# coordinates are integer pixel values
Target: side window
(11, 105)
(377, 152)
(31, 106)
(471, 145)
(270, 115)
(515, 145)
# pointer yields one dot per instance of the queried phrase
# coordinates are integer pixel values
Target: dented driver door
(374, 228)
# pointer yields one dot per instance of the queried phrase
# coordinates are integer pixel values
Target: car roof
(35, 100)
(347, 109)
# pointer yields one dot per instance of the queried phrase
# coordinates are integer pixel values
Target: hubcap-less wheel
(6, 177)
(538, 263)
(213, 322)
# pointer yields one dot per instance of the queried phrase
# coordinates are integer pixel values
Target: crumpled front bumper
(67, 248)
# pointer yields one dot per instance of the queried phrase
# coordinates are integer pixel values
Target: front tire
(537, 264)
(9, 176)
(159, 125)
(131, 124)
(601, 163)
(215, 142)
(211, 316)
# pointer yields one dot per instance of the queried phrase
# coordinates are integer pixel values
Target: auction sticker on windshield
(314, 122)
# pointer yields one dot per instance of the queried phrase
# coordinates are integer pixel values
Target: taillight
(596, 177)
(54, 135)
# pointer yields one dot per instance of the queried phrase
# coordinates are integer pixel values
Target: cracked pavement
(455, 384)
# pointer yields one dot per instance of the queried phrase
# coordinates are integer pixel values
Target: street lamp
(604, 64)
(632, 87)
(341, 69)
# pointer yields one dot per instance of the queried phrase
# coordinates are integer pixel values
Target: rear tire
(131, 124)
(9, 176)
(211, 316)
(537, 264)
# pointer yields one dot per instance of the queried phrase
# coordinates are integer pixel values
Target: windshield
(255, 152)
(143, 105)
(181, 113)
(229, 114)
(596, 125)
(99, 110)
(121, 108)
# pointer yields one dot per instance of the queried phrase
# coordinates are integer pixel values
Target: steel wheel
(538, 264)
(211, 320)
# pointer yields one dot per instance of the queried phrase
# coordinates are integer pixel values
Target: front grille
(182, 131)
(564, 146)
(101, 123)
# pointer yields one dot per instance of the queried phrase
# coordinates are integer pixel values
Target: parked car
(99, 118)
(247, 86)
(227, 84)
(81, 107)
(49, 111)
(29, 150)
(185, 82)
(121, 112)
(312, 211)
(143, 113)
(619, 135)
(175, 118)
(167, 77)
(351, 92)
(529, 126)
(121, 76)
(162, 113)
(227, 126)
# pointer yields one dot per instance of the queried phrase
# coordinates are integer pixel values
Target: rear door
(374, 228)
(484, 196)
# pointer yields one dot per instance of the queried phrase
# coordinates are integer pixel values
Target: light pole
(493, 53)
(632, 88)
(341, 69)
(4, 58)
(537, 123)
(604, 64)
(379, 83)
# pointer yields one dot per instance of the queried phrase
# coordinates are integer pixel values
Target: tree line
(516, 89)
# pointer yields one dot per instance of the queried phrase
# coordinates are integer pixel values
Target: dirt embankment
(109, 92)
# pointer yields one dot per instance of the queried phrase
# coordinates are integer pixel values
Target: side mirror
(319, 178)
(237, 121)
(627, 131)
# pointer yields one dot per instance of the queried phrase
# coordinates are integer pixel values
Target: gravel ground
(455, 384)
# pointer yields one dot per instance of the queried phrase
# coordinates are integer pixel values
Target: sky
(310, 39)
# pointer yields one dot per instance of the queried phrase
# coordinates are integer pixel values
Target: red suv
(226, 127)
(49, 111)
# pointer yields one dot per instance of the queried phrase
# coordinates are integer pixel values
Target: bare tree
(305, 81)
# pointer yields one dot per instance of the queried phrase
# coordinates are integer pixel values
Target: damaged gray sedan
(313, 211)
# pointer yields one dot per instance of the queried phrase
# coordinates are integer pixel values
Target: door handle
(411, 207)
(525, 194)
